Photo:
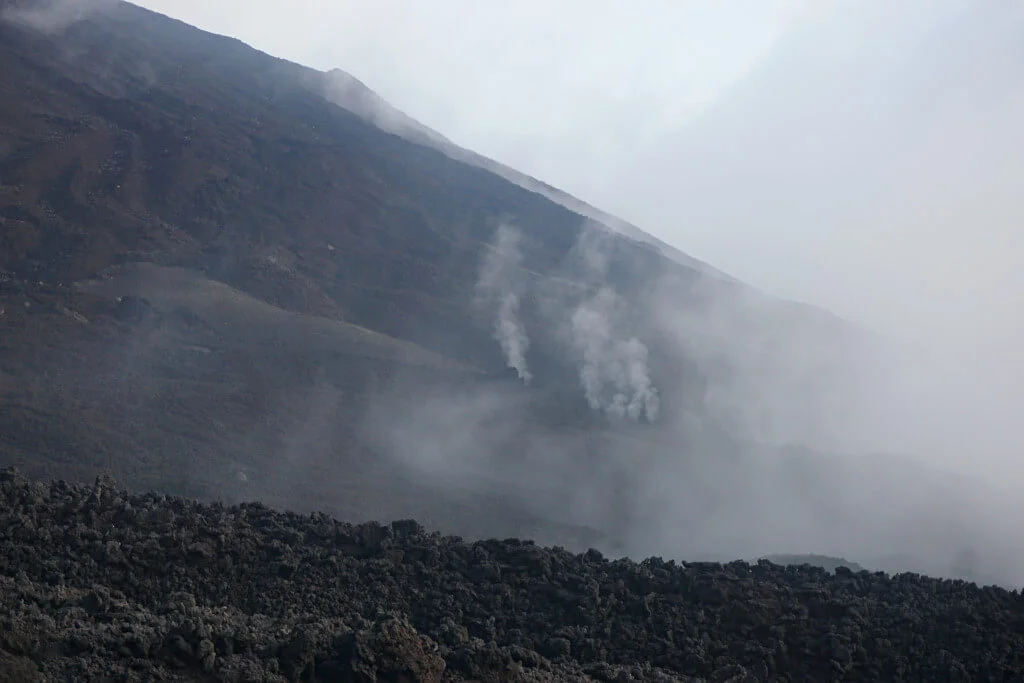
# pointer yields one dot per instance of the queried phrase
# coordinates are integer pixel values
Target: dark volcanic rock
(96, 582)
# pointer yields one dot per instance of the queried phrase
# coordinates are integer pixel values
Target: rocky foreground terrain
(98, 584)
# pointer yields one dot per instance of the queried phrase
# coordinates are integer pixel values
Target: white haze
(861, 156)
(675, 489)
(867, 165)
(871, 164)
(867, 159)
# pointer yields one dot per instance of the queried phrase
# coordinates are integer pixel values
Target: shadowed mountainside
(129, 137)
(215, 281)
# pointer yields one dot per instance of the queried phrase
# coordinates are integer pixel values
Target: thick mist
(769, 446)
(869, 164)
(862, 156)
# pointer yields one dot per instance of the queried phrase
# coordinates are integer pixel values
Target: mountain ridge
(349, 92)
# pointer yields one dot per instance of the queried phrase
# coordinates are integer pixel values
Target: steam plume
(501, 285)
(613, 364)
(613, 369)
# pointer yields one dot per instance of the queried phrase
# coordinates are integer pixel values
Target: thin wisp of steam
(511, 334)
(500, 286)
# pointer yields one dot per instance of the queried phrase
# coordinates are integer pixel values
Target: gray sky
(864, 156)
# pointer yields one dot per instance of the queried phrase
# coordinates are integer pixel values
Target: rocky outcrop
(95, 582)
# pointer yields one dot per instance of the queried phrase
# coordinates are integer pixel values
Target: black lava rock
(143, 587)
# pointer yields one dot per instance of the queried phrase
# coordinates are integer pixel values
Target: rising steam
(613, 369)
(500, 287)
(613, 365)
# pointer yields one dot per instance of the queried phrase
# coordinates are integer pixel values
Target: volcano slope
(323, 262)
(97, 584)
(295, 260)
(210, 274)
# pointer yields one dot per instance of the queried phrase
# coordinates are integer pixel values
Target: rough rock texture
(99, 584)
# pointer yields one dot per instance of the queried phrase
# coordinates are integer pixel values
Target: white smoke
(501, 285)
(613, 368)
(613, 364)
(511, 334)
